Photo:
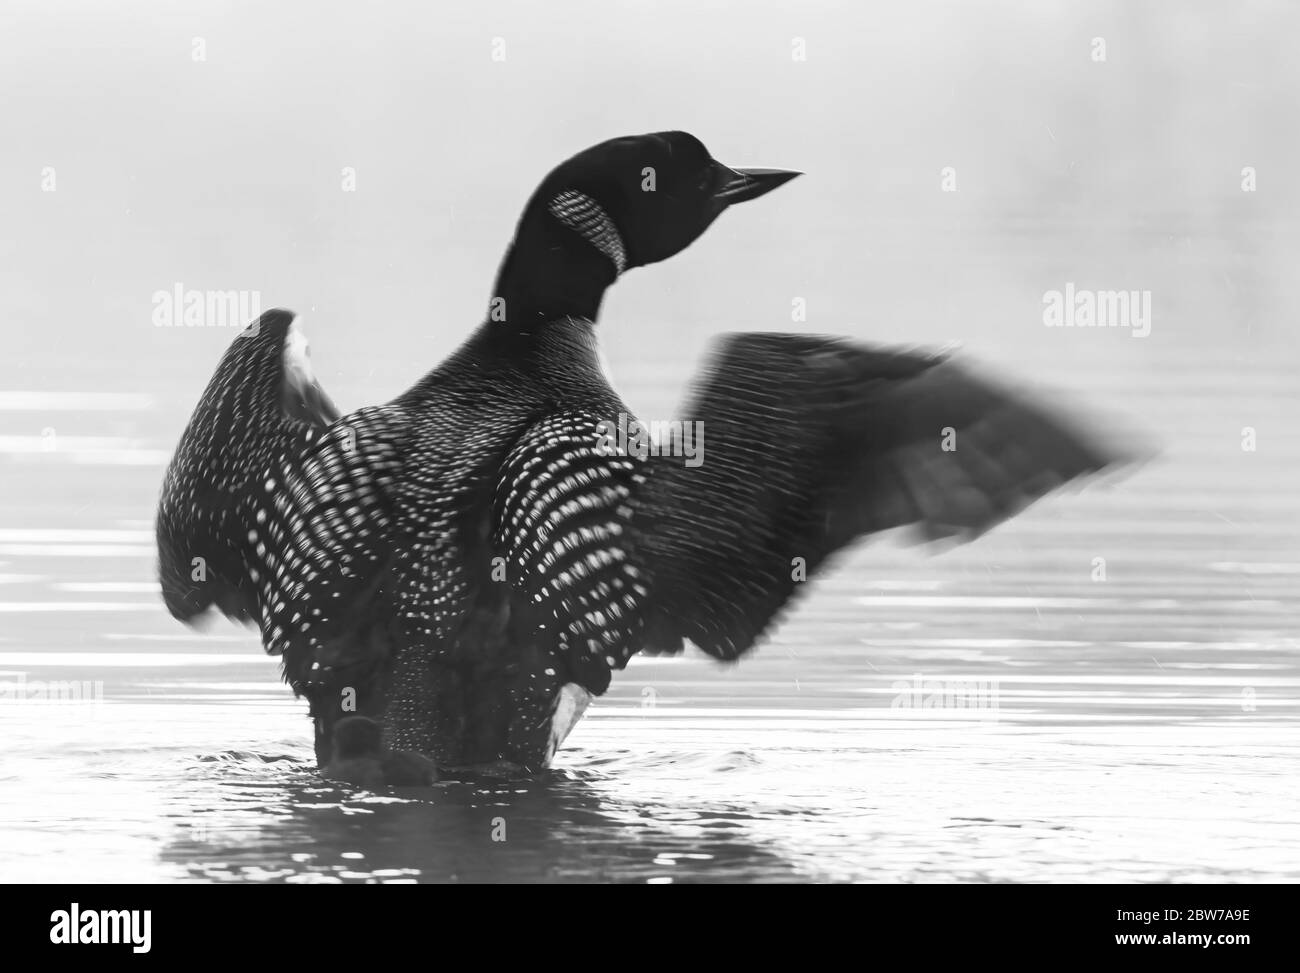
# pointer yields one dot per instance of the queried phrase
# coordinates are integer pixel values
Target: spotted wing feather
(562, 516)
(277, 511)
(245, 420)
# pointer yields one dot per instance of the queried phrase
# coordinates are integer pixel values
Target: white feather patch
(297, 360)
(570, 703)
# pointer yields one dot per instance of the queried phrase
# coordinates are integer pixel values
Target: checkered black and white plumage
(468, 564)
(581, 213)
(455, 559)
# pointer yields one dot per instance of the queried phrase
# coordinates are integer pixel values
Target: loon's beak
(739, 185)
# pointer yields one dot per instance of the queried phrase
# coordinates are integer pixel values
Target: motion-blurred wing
(810, 442)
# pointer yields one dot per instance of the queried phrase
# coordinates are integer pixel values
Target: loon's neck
(550, 272)
(546, 299)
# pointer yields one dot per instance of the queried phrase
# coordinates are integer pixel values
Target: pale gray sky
(225, 173)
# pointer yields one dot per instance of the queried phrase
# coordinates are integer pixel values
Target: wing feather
(813, 442)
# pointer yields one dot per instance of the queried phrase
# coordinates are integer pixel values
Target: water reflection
(269, 824)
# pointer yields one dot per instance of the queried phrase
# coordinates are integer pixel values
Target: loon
(466, 567)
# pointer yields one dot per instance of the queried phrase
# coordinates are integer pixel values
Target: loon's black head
(657, 192)
(621, 204)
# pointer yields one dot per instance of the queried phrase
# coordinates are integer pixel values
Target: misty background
(226, 174)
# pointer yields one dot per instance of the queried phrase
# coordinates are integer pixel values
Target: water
(1137, 728)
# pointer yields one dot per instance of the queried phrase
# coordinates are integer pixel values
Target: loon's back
(381, 553)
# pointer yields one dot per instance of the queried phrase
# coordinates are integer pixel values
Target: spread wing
(355, 543)
(810, 442)
(253, 411)
(277, 511)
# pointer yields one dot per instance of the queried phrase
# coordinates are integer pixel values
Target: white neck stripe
(584, 215)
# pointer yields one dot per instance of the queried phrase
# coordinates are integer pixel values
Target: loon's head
(621, 204)
(648, 196)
